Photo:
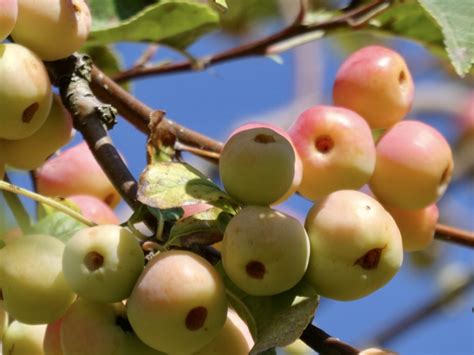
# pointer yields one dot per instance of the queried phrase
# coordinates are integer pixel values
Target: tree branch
(454, 235)
(354, 18)
(320, 341)
(420, 314)
(91, 117)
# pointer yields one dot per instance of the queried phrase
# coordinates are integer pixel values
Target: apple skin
(110, 279)
(376, 83)
(24, 339)
(64, 176)
(33, 285)
(355, 241)
(52, 338)
(179, 303)
(259, 165)
(25, 92)
(31, 152)
(337, 150)
(417, 227)
(414, 166)
(233, 339)
(8, 16)
(3, 320)
(94, 209)
(54, 29)
(93, 328)
(264, 251)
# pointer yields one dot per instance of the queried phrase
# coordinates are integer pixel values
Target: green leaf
(274, 321)
(58, 225)
(108, 13)
(202, 228)
(172, 184)
(176, 23)
(456, 21)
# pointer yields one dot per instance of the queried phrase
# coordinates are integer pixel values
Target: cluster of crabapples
(93, 294)
(33, 122)
(352, 242)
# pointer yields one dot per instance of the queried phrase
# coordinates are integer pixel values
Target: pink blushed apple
(336, 149)
(376, 83)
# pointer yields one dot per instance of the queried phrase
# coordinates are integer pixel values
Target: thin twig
(413, 318)
(146, 56)
(6, 186)
(320, 341)
(16, 207)
(454, 235)
(353, 18)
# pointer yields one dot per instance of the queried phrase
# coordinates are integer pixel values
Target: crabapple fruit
(417, 227)
(259, 165)
(376, 83)
(33, 285)
(336, 148)
(74, 172)
(356, 246)
(52, 338)
(234, 338)
(31, 152)
(178, 304)
(94, 209)
(413, 168)
(8, 16)
(102, 263)
(94, 328)
(25, 92)
(24, 339)
(264, 251)
(53, 29)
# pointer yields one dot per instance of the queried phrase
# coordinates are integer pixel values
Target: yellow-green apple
(259, 165)
(414, 166)
(102, 263)
(297, 348)
(337, 150)
(31, 152)
(178, 304)
(25, 92)
(95, 328)
(8, 15)
(54, 29)
(33, 285)
(75, 172)
(23, 339)
(233, 339)
(376, 83)
(94, 209)
(264, 251)
(356, 246)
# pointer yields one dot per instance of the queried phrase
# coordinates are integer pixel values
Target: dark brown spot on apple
(29, 112)
(255, 269)
(109, 199)
(402, 78)
(196, 318)
(93, 260)
(264, 138)
(370, 260)
(324, 144)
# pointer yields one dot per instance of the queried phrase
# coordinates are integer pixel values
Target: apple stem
(19, 212)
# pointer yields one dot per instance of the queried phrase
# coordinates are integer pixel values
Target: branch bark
(454, 235)
(320, 341)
